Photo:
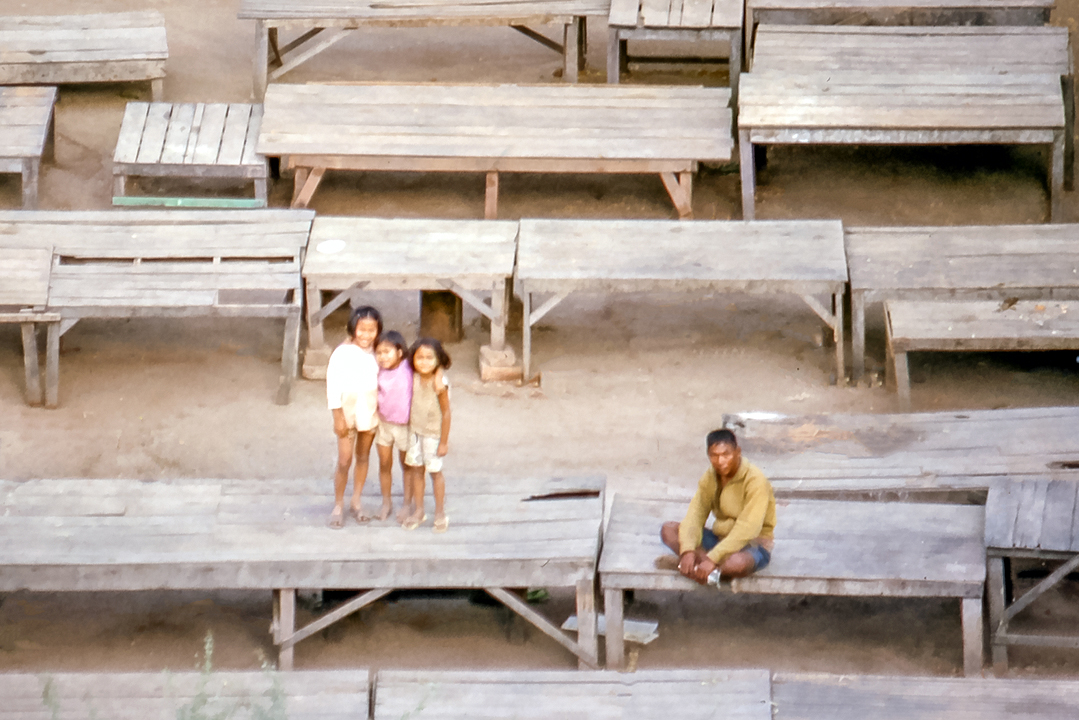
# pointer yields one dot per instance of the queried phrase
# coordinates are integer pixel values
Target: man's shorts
(760, 554)
(423, 452)
(390, 434)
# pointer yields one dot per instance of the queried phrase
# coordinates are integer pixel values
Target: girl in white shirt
(352, 396)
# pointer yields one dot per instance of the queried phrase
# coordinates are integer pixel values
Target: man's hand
(686, 563)
(703, 570)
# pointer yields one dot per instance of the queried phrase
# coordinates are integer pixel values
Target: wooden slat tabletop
(772, 256)
(686, 14)
(643, 695)
(853, 697)
(868, 5)
(24, 120)
(25, 273)
(555, 122)
(322, 695)
(403, 253)
(1034, 514)
(202, 534)
(982, 325)
(904, 549)
(102, 37)
(188, 135)
(497, 12)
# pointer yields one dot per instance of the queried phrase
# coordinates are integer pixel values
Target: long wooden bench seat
(111, 264)
(903, 550)
(65, 49)
(272, 535)
(493, 129)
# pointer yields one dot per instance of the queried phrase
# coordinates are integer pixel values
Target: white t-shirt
(352, 386)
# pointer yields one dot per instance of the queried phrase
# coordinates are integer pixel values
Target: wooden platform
(160, 263)
(190, 140)
(67, 49)
(88, 535)
(352, 255)
(562, 256)
(809, 696)
(322, 695)
(27, 131)
(1032, 518)
(643, 695)
(995, 262)
(980, 325)
(904, 550)
(497, 128)
(24, 295)
(894, 104)
(324, 23)
(703, 21)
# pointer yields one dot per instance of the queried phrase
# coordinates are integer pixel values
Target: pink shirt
(395, 393)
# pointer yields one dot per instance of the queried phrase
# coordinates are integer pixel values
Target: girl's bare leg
(438, 489)
(363, 456)
(385, 479)
(407, 505)
(340, 480)
(418, 516)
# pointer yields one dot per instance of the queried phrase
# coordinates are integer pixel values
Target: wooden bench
(351, 255)
(642, 695)
(68, 49)
(27, 132)
(563, 256)
(692, 21)
(966, 263)
(540, 129)
(190, 140)
(323, 24)
(154, 263)
(272, 535)
(904, 550)
(322, 695)
(781, 102)
(1032, 518)
(978, 326)
(24, 294)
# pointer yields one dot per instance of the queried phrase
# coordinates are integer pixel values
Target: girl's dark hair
(393, 338)
(363, 313)
(442, 355)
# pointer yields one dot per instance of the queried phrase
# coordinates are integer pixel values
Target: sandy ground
(631, 383)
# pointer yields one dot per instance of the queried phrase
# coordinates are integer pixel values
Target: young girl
(352, 396)
(429, 425)
(394, 406)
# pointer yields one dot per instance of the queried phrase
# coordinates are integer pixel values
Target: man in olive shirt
(741, 498)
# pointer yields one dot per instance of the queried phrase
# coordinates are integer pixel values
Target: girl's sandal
(413, 524)
(337, 519)
(359, 515)
(442, 524)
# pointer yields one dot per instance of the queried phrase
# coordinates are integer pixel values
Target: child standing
(429, 425)
(394, 406)
(352, 397)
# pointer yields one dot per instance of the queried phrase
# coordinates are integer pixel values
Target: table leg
(315, 338)
(840, 340)
(1067, 85)
(119, 185)
(30, 363)
(587, 626)
(30, 170)
(52, 365)
(261, 60)
(616, 644)
(157, 90)
(972, 636)
(290, 355)
(749, 174)
(614, 61)
(994, 586)
(735, 71)
(262, 190)
(499, 312)
(857, 334)
(582, 42)
(304, 185)
(902, 379)
(1056, 177)
(490, 198)
(526, 331)
(571, 49)
(284, 624)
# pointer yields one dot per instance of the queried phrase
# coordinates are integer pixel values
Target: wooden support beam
(339, 613)
(305, 184)
(490, 199)
(748, 168)
(284, 625)
(613, 598)
(1038, 590)
(540, 38)
(52, 365)
(680, 189)
(290, 356)
(994, 582)
(545, 626)
(31, 366)
(973, 634)
(333, 37)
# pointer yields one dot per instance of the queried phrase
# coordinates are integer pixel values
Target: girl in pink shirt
(394, 404)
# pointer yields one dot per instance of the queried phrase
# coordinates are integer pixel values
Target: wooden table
(979, 326)
(896, 105)
(641, 695)
(904, 550)
(973, 262)
(697, 21)
(190, 140)
(322, 24)
(349, 255)
(27, 131)
(161, 263)
(497, 128)
(66, 49)
(169, 695)
(127, 535)
(1028, 519)
(24, 294)
(562, 256)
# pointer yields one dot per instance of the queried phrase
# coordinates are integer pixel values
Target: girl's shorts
(423, 452)
(390, 434)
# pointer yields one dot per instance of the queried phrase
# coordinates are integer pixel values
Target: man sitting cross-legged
(741, 498)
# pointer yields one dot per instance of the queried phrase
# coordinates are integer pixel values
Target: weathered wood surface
(1041, 515)
(982, 325)
(26, 126)
(327, 694)
(354, 13)
(190, 140)
(643, 695)
(813, 696)
(105, 47)
(26, 276)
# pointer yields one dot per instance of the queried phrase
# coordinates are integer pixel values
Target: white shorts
(390, 434)
(423, 452)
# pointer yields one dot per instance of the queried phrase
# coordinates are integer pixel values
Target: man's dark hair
(720, 436)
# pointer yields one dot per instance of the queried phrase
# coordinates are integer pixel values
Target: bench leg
(157, 89)
(901, 373)
(1067, 84)
(735, 65)
(616, 644)
(262, 191)
(119, 185)
(261, 60)
(284, 624)
(290, 353)
(52, 365)
(614, 61)
(500, 303)
(572, 50)
(749, 174)
(315, 338)
(857, 334)
(840, 341)
(994, 587)
(681, 191)
(490, 197)
(587, 625)
(972, 636)
(30, 169)
(526, 331)
(304, 185)
(30, 364)
(1056, 177)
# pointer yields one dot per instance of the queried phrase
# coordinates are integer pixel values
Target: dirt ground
(630, 383)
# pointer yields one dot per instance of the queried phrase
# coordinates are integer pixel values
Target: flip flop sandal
(357, 514)
(441, 525)
(415, 523)
(337, 520)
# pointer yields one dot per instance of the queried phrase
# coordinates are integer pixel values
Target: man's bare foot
(358, 513)
(386, 511)
(415, 520)
(442, 523)
(404, 513)
(666, 562)
(337, 518)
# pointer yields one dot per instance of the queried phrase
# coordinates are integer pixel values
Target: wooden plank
(209, 138)
(178, 133)
(153, 134)
(235, 134)
(982, 325)
(131, 128)
(26, 276)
